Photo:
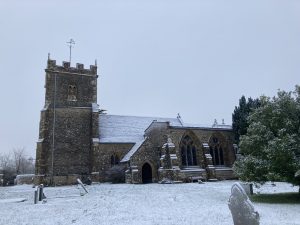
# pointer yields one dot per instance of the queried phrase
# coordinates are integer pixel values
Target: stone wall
(151, 151)
(225, 174)
(147, 153)
(102, 157)
(24, 179)
(69, 179)
(178, 134)
(72, 142)
(203, 136)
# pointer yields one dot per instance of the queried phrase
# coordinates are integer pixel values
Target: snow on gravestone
(242, 209)
(82, 185)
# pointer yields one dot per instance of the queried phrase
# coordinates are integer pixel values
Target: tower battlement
(66, 68)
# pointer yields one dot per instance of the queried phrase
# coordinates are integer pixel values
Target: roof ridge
(158, 117)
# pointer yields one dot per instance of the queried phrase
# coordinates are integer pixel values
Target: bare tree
(22, 164)
(14, 163)
(19, 156)
(8, 168)
(6, 161)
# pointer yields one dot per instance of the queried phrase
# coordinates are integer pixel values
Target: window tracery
(188, 152)
(216, 151)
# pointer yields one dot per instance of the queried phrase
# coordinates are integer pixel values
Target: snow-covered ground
(184, 204)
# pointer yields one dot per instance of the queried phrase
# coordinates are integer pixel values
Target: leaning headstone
(82, 185)
(242, 209)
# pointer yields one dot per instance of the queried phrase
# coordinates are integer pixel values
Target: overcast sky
(155, 58)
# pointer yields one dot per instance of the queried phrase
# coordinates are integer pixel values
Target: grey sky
(155, 58)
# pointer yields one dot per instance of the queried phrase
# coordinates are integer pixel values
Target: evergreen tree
(240, 116)
(271, 146)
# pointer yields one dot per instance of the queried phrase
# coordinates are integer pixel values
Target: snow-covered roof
(222, 126)
(132, 151)
(219, 126)
(127, 129)
(130, 129)
(205, 126)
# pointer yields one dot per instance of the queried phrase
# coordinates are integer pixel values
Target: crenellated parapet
(70, 86)
(66, 68)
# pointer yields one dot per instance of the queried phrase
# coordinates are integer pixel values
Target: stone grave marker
(82, 185)
(242, 209)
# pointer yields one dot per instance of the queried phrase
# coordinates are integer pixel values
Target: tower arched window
(188, 152)
(216, 152)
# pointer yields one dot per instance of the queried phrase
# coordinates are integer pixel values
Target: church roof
(127, 129)
(130, 129)
(207, 126)
(132, 151)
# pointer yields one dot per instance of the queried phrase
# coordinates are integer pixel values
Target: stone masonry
(78, 140)
(67, 124)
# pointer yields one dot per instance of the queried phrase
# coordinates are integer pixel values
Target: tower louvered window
(72, 93)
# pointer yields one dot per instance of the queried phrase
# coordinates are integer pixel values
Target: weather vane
(70, 44)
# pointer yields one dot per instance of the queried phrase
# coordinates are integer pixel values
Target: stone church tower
(69, 123)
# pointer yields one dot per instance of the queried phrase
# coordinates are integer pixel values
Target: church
(78, 140)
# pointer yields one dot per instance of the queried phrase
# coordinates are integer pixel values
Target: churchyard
(151, 204)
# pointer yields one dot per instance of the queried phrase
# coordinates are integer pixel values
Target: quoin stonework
(78, 140)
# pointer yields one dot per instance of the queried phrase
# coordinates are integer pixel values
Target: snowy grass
(151, 204)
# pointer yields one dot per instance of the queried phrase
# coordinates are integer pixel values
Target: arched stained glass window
(188, 152)
(216, 152)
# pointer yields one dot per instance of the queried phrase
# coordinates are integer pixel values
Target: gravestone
(39, 194)
(242, 209)
(82, 185)
(248, 187)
